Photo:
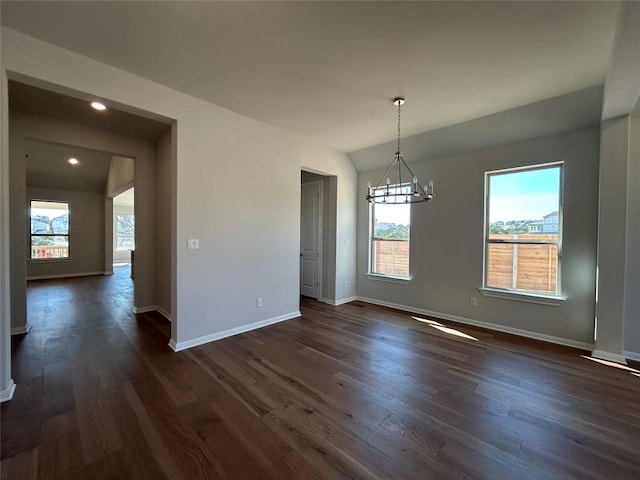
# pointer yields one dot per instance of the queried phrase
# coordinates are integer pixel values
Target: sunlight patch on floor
(607, 363)
(444, 328)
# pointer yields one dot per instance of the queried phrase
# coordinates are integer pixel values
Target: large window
(125, 231)
(49, 229)
(390, 228)
(524, 229)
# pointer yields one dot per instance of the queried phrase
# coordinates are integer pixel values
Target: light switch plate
(193, 244)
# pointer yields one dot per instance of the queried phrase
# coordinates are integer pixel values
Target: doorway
(124, 221)
(317, 235)
(311, 239)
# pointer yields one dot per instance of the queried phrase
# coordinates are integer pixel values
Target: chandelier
(405, 187)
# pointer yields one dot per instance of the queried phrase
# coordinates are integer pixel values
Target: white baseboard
(164, 313)
(7, 393)
(66, 275)
(20, 330)
(631, 355)
(178, 346)
(489, 326)
(152, 308)
(611, 357)
(342, 301)
(145, 309)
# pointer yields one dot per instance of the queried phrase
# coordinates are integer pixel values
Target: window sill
(49, 260)
(551, 300)
(388, 278)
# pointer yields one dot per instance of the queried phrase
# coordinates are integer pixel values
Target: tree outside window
(125, 232)
(389, 238)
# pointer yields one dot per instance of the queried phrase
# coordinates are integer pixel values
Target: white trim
(230, 332)
(152, 308)
(145, 309)
(7, 393)
(342, 301)
(551, 300)
(631, 355)
(20, 330)
(66, 275)
(611, 357)
(379, 277)
(489, 326)
(164, 313)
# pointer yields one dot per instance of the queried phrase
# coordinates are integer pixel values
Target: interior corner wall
(5, 272)
(164, 214)
(19, 220)
(86, 234)
(447, 241)
(109, 228)
(631, 329)
(614, 152)
(249, 242)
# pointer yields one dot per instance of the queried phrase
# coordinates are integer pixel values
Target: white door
(310, 238)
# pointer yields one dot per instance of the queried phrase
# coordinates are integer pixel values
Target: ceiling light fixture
(73, 161)
(405, 187)
(98, 106)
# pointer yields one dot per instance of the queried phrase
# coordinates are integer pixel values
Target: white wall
(447, 240)
(237, 191)
(86, 234)
(631, 343)
(165, 192)
(6, 382)
(614, 152)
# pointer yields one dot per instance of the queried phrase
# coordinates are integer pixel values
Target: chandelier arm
(381, 182)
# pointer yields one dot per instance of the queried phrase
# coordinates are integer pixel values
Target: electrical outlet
(193, 244)
(258, 303)
(473, 301)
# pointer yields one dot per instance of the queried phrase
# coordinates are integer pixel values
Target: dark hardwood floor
(354, 391)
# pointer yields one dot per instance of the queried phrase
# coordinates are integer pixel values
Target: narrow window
(49, 229)
(125, 231)
(523, 229)
(389, 235)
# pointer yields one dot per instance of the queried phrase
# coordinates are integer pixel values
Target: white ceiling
(328, 70)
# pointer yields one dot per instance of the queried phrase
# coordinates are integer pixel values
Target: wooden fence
(511, 266)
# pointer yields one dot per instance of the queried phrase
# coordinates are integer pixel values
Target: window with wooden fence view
(49, 230)
(524, 229)
(390, 228)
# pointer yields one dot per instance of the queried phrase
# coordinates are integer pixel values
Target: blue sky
(524, 195)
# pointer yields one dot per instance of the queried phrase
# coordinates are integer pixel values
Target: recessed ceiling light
(73, 161)
(98, 106)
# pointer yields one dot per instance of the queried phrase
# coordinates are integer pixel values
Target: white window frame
(514, 293)
(385, 276)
